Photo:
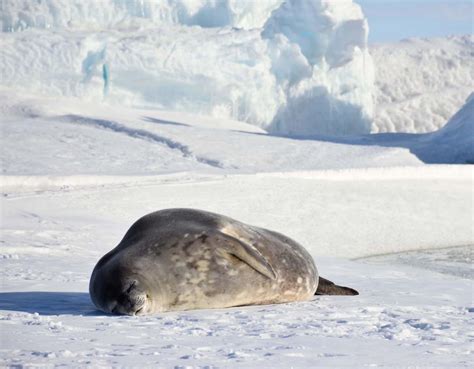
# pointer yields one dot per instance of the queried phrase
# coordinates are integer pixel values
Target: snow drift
(456, 139)
(295, 68)
(421, 83)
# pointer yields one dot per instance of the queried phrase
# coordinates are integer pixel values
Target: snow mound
(456, 139)
(295, 68)
(421, 83)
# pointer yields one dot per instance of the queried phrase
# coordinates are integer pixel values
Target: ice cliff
(298, 68)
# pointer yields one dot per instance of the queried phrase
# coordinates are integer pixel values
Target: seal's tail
(326, 287)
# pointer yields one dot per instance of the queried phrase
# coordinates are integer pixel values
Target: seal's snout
(131, 301)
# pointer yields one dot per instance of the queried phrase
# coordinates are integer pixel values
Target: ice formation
(296, 68)
(320, 58)
(456, 139)
(86, 14)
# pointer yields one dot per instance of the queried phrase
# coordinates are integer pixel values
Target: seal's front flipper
(326, 287)
(248, 254)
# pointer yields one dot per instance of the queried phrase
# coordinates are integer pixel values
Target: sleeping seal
(182, 259)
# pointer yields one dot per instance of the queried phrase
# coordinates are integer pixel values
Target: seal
(182, 259)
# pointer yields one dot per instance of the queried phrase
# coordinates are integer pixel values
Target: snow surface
(52, 237)
(84, 172)
(85, 153)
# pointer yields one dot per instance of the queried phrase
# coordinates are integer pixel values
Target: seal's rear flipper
(326, 287)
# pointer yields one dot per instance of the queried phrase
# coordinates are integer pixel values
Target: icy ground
(84, 172)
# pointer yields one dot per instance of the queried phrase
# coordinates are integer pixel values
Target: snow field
(54, 236)
(366, 209)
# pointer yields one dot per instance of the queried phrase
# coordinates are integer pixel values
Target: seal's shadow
(48, 303)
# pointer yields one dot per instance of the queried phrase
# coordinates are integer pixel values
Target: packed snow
(110, 110)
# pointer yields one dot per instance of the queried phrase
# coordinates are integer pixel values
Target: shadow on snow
(427, 147)
(48, 303)
(162, 121)
(423, 145)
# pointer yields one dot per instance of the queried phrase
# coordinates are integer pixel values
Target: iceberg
(293, 68)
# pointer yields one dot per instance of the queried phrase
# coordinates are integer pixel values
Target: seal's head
(118, 291)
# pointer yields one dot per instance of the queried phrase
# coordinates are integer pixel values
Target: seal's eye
(131, 286)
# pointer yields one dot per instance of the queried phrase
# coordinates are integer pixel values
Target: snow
(313, 334)
(53, 238)
(86, 172)
(89, 144)
(421, 83)
(456, 137)
(140, 135)
(328, 191)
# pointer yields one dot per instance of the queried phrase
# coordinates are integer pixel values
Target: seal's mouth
(131, 307)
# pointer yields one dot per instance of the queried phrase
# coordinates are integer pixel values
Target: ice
(296, 68)
(321, 29)
(308, 73)
(21, 14)
(457, 261)
(327, 43)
